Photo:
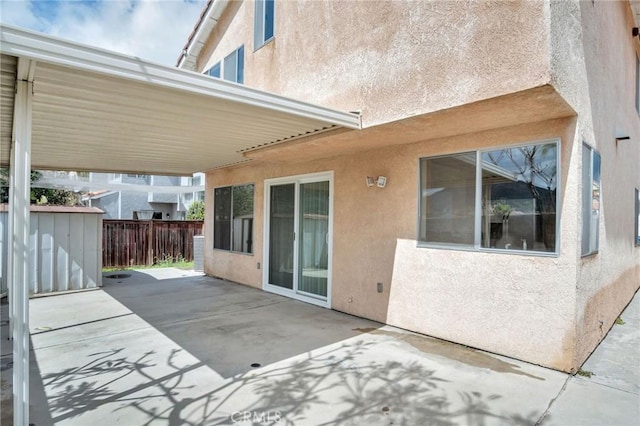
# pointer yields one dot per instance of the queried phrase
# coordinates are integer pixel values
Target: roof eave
(200, 34)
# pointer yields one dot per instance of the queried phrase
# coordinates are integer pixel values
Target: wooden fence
(145, 242)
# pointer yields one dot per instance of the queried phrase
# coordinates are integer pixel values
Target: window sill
(232, 252)
(588, 255)
(528, 253)
(268, 41)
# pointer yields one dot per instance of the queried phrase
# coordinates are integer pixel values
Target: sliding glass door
(281, 235)
(298, 236)
(314, 238)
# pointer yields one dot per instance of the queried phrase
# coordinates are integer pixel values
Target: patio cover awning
(66, 106)
(102, 111)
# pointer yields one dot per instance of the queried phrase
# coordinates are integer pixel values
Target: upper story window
(263, 28)
(590, 200)
(504, 199)
(214, 71)
(233, 68)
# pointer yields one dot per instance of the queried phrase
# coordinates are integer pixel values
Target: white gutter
(200, 35)
(47, 49)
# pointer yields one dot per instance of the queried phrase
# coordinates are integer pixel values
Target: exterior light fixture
(635, 31)
(380, 181)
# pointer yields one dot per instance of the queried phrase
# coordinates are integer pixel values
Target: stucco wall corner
(567, 73)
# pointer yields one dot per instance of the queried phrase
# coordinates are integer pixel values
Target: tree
(196, 211)
(59, 197)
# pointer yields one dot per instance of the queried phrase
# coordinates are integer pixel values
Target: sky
(154, 30)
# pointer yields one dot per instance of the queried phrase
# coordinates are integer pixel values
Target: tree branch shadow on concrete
(387, 392)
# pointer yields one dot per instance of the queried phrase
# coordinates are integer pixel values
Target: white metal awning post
(20, 179)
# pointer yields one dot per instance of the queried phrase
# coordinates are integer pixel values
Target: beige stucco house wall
(435, 78)
(599, 79)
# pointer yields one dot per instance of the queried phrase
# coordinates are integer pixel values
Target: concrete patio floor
(170, 347)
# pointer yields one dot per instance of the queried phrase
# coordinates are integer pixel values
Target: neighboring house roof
(57, 209)
(139, 116)
(201, 31)
(99, 194)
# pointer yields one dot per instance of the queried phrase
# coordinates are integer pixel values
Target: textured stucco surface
(359, 55)
(593, 68)
(519, 69)
(528, 106)
(511, 310)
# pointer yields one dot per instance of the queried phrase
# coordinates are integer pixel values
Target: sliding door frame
(297, 180)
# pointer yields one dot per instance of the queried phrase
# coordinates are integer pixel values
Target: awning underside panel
(89, 121)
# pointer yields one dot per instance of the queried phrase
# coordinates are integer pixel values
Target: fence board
(145, 242)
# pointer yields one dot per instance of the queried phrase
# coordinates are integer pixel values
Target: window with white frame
(637, 232)
(503, 199)
(264, 20)
(233, 68)
(214, 71)
(637, 84)
(590, 200)
(233, 218)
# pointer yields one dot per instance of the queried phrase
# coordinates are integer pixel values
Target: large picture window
(590, 200)
(233, 218)
(504, 199)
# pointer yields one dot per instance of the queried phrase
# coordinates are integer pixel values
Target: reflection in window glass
(264, 19)
(214, 71)
(590, 200)
(448, 199)
(637, 233)
(243, 218)
(233, 69)
(519, 189)
(268, 19)
(233, 218)
(222, 218)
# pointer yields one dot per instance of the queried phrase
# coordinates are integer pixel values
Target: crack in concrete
(546, 412)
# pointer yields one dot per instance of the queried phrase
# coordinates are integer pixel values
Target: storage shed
(65, 248)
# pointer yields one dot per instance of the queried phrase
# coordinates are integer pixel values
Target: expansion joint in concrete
(544, 415)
